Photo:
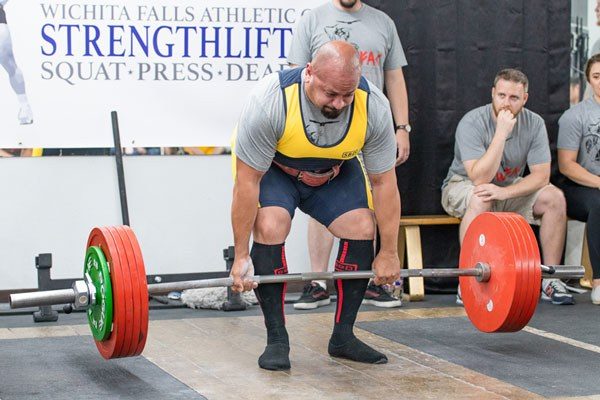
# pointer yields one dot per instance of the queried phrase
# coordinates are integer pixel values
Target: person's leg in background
(550, 207)
(380, 296)
(583, 204)
(320, 243)
(593, 238)
(7, 60)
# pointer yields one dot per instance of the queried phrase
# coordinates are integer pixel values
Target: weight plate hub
(100, 314)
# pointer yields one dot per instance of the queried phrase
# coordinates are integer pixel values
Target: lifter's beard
(348, 4)
(330, 112)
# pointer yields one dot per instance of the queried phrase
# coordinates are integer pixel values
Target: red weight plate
(128, 295)
(108, 348)
(130, 265)
(522, 269)
(526, 277)
(536, 272)
(524, 282)
(522, 266)
(488, 304)
(141, 300)
(143, 286)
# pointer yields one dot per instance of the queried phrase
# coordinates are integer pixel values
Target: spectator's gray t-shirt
(262, 123)
(526, 145)
(579, 129)
(371, 31)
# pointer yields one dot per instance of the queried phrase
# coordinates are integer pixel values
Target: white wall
(179, 208)
(593, 28)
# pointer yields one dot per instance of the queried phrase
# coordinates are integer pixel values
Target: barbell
(499, 273)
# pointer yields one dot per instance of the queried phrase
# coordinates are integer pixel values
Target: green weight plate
(100, 315)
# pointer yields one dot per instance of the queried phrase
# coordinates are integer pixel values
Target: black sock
(276, 357)
(353, 255)
(270, 260)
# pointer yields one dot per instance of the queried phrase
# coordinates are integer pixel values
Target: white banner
(177, 72)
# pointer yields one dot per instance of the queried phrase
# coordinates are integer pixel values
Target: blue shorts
(348, 191)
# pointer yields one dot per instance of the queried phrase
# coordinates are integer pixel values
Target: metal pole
(120, 169)
(309, 276)
(481, 272)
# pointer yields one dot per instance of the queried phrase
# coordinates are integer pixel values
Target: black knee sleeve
(353, 255)
(270, 260)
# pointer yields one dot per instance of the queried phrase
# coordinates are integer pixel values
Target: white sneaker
(596, 295)
(459, 298)
(553, 290)
(25, 115)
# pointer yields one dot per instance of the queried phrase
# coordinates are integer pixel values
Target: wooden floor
(217, 357)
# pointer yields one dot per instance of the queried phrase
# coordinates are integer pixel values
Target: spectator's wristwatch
(405, 127)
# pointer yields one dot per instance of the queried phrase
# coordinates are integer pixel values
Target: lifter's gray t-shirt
(262, 123)
(579, 129)
(371, 31)
(526, 145)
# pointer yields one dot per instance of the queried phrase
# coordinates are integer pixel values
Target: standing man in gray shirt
(374, 35)
(297, 144)
(494, 145)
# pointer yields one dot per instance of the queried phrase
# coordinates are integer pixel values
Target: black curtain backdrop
(454, 49)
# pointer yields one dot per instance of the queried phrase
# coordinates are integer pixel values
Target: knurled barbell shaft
(158, 288)
(481, 271)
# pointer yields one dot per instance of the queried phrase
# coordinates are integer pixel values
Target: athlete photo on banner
(175, 71)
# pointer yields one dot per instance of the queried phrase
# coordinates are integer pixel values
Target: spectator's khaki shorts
(457, 194)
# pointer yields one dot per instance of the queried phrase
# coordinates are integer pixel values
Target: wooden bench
(409, 240)
(586, 281)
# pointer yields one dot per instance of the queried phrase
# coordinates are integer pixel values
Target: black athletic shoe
(378, 296)
(313, 296)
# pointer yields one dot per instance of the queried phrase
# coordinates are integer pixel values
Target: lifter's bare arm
(386, 201)
(244, 208)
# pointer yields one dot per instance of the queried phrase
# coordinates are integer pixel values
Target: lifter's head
(332, 77)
